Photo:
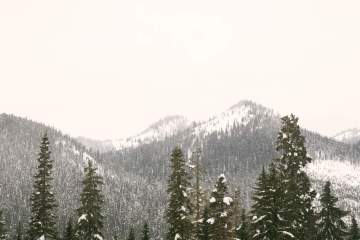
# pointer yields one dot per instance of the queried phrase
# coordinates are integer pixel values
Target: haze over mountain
(348, 136)
(237, 142)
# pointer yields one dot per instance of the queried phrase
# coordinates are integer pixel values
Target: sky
(107, 69)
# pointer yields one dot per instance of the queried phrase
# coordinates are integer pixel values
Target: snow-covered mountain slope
(96, 145)
(239, 115)
(345, 180)
(348, 136)
(166, 127)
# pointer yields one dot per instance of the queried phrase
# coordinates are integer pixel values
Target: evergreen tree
(354, 233)
(90, 218)
(3, 231)
(205, 225)
(145, 233)
(242, 231)
(43, 203)
(236, 211)
(331, 226)
(179, 210)
(69, 231)
(267, 217)
(131, 234)
(298, 197)
(220, 211)
(19, 232)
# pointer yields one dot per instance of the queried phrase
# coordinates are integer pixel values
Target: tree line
(284, 206)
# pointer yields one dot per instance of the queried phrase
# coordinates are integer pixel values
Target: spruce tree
(145, 233)
(3, 231)
(296, 190)
(354, 233)
(69, 230)
(220, 211)
(243, 230)
(131, 234)
(267, 217)
(43, 203)
(90, 218)
(179, 211)
(331, 226)
(205, 225)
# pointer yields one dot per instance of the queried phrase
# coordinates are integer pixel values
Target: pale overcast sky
(107, 69)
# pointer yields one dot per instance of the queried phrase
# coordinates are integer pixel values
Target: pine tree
(267, 217)
(236, 211)
(220, 211)
(205, 225)
(297, 194)
(3, 231)
(131, 234)
(145, 233)
(43, 203)
(354, 233)
(90, 218)
(179, 209)
(19, 232)
(243, 231)
(331, 226)
(69, 231)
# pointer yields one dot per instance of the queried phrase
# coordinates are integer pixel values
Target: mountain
(96, 145)
(348, 136)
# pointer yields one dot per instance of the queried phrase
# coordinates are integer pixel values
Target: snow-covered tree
(43, 203)
(3, 231)
(69, 231)
(243, 230)
(296, 188)
(354, 233)
(145, 232)
(220, 206)
(331, 225)
(205, 225)
(267, 216)
(236, 211)
(131, 234)
(179, 208)
(90, 217)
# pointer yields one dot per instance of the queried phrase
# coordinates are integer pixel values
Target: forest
(283, 204)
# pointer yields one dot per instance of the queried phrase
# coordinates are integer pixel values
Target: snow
(212, 200)
(222, 176)
(42, 237)
(227, 200)
(177, 236)
(82, 218)
(210, 220)
(97, 236)
(348, 136)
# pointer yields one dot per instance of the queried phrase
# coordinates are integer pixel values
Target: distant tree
(43, 203)
(3, 230)
(131, 234)
(145, 233)
(179, 210)
(220, 211)
(19, 232)
(296, 190)
(236, 211)
(69, 231)
(205, 225)
(90, 217)
(354, 233)
(243, 231)
(331, 226)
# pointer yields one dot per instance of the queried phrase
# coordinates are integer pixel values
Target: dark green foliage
(205, 225)
(43, 203)
(69, 231)
(243, 231)
(267, 216)
(297, 207)
(90, 221)
(19, 232)
(179, 210)
(354, 233)
(131, 234)
(145, 233)
(331, 226)
(220, 211)
(3, 231)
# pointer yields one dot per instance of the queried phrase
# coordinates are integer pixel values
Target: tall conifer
(354, 233)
